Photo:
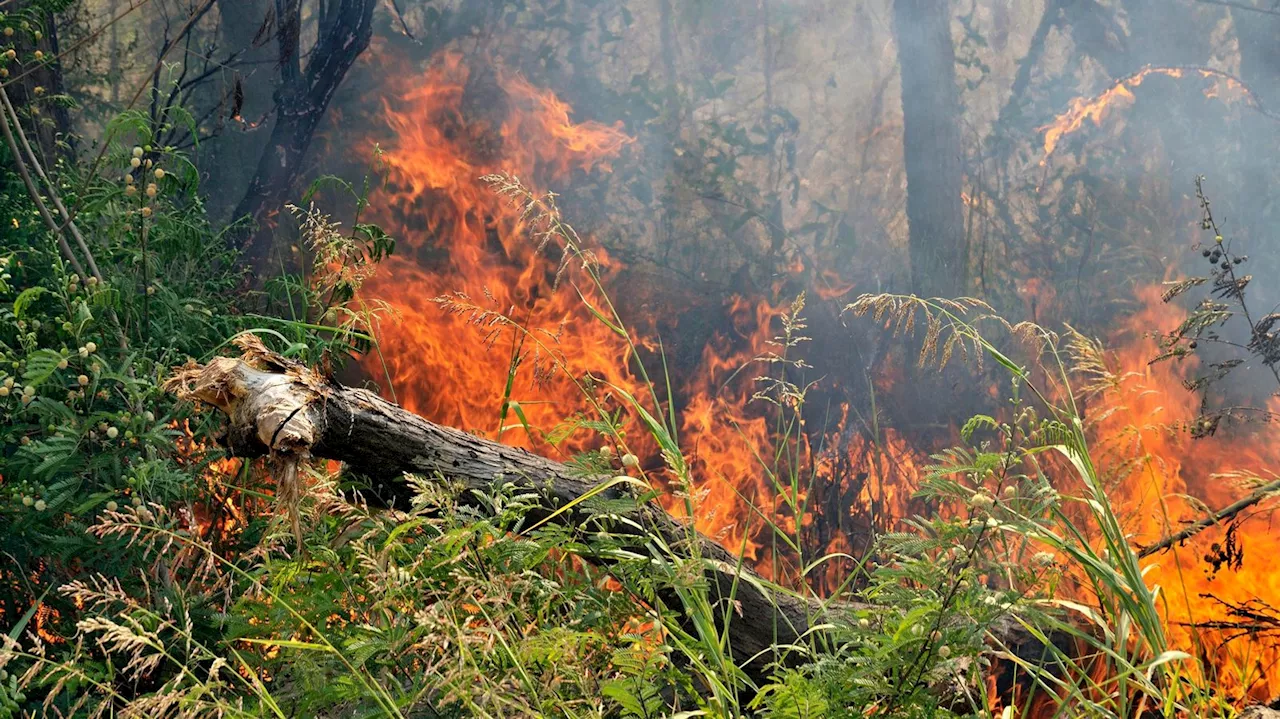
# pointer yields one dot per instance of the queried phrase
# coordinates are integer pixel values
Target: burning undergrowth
(467, 248)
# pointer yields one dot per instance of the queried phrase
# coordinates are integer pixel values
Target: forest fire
(1120, 94)
(868, 383)
(463, 237)
(455, 374)
(1164, 478)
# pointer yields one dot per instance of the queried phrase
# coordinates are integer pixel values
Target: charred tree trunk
(933, 157)
(931, 147)
(229, 161)
(346, 27)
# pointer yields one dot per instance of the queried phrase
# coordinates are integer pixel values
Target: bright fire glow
(1158, 496)
(456, 234)
(1120, 94)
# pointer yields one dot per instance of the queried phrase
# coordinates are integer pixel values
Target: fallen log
(279, 407)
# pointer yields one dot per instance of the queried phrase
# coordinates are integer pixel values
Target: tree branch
(1215, 518)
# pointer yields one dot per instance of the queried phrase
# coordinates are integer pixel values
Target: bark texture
(931, 147)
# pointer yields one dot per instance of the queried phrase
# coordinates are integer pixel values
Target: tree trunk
(50, 120)
(301, 101)
(229, 160)
(931, 147)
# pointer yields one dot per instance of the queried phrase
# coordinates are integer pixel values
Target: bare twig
(1215, 518)
(195, 16)
(395, 5)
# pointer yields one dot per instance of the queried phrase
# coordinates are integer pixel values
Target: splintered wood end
(260, 392)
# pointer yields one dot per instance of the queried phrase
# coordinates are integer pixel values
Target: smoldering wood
(279, 407)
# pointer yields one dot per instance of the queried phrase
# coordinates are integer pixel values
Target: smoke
(745, 153)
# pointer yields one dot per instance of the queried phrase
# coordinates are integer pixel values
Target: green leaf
(24, 300)
(41, 365)
(289, 644)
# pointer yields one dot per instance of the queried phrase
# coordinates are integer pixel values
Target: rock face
(1260, 712)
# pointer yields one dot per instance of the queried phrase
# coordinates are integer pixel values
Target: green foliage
(468, 606)
(85, 429)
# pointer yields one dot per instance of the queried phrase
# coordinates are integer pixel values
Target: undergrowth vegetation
(145, 574)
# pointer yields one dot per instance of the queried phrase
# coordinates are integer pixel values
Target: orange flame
(1095, 109)
(1159, 494)
(457, 234)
